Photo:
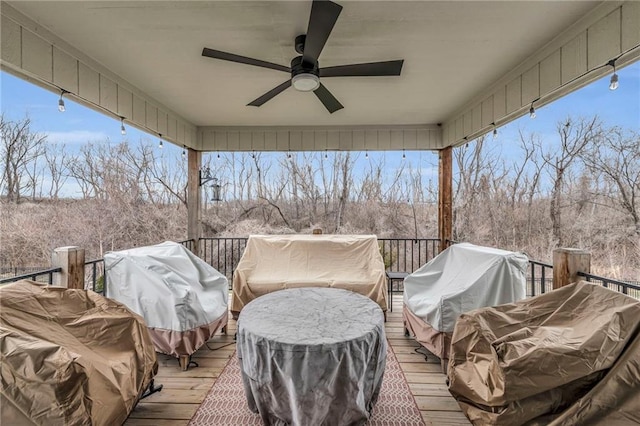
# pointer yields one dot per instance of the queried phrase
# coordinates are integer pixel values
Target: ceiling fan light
(305, 82)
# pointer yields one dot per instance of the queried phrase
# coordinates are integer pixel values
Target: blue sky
(79, 124)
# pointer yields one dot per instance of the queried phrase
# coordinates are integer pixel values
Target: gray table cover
(312, 356)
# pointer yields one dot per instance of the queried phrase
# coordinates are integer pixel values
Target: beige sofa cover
(70, 357)
(567, 357)
(277, 262)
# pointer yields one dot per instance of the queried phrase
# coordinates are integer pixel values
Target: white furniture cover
(182, 299)
(276, 262)
(312, 356)
(461, 278)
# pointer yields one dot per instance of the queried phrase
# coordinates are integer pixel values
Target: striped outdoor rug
(226, 405)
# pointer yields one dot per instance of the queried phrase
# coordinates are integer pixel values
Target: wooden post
(194, 199)
(445, 196)
(71, 260)
(567, 262)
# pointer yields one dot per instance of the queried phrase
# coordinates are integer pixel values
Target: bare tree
(56, 159)
(574, 138)
(21, 147)
(616, 156)
(170, 177)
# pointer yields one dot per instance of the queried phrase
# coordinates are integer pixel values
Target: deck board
(184, 391)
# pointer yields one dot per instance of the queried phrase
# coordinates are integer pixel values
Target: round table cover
(312, 356)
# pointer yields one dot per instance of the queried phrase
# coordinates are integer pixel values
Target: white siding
(29, 49)
(570, 61)
(357, 138)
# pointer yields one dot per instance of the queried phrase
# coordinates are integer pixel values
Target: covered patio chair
(182, 299)
(567, 357)
(461, 278)
(70, 357)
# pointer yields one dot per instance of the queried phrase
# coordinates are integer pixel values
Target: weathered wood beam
(194, 200)
(567, 262)
(71, 260)
(445, 196)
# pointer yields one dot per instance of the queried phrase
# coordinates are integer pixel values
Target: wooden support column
(194, 200)
(71, 260)
(567, 262)
(445, 196)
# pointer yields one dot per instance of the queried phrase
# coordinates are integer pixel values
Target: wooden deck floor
(184, 390)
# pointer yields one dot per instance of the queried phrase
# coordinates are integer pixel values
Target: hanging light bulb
(218, 155)
(404, 156)
(184, 152)
(613, 83)
(123, 130)
(289, 154)
(61, 106)
(495, 130)
(366, 154)
(160, 144)
(325, 154)
(532, 111)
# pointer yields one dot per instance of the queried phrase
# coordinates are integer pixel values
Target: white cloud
(76, 137)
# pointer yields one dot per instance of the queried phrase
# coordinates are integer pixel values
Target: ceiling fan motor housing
(300, 67)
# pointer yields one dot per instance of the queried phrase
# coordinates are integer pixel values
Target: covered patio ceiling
(467, 66)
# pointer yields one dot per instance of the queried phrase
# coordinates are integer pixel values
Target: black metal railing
(407, 254)
(189, 244)
(94, 275)
(399, 255)
(630, 289)
(539, 278)
(223, 253)
(42, 276)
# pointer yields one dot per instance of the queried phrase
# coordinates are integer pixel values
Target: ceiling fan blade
(324, 15)
(216, 54)
(370, 69)
(271, 94)
(327, 99)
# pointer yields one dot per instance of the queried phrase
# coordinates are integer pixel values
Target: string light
(218, 155)
(404, 156)
(495, 130)
(325, 154)
(366, 154)
(532, 111)
(61, 106)
(123, 130)
(289, 154)
(160, 144)
(184, 151)
(613, 83)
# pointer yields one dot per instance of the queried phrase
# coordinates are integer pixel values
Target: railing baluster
(94, 276)
(533, 279)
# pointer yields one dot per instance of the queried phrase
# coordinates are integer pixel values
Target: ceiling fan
(305, 69)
